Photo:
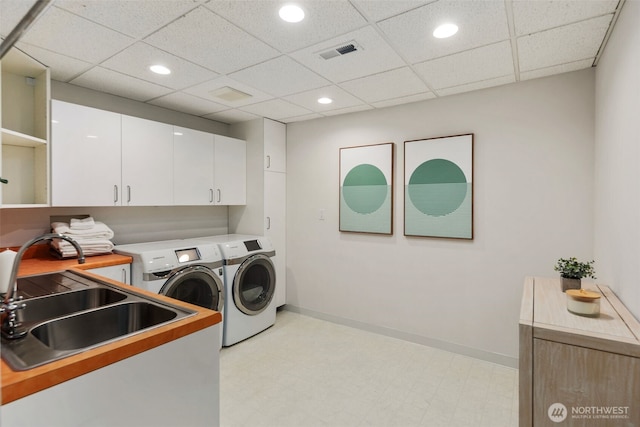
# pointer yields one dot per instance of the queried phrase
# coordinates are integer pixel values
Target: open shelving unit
(25, 92)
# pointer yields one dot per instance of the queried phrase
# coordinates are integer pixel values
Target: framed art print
(366, 189)
(438, 187)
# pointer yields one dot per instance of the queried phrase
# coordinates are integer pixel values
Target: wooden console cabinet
(575, 370)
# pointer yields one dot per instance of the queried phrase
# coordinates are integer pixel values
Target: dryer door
(197, 285)
(254, 284)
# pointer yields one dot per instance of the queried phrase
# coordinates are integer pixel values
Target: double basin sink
(81, 314)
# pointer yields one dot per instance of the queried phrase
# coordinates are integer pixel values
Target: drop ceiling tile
(323, 20)
(557, 69)
(11, 12)
(533, 16)
(136, 59)
(115, 83)
(63, 68)
(480, 23)
(563, 44)
(404, 100)
(380, 9)
(475, 65)
(68, 34)
(205, 90)
(301, 118)
(280, 76)
(136, 18)
(231, 116)
(309, 100)
(205, 38)
(374, 55)
(499, 81)
(386, 85)
(189, 104)
(275, 109)
(348, 110)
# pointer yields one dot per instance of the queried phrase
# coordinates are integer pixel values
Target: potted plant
(572, 271)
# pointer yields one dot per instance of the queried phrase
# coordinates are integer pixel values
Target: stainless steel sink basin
(49, 307)
(93, 327)
(87, 313)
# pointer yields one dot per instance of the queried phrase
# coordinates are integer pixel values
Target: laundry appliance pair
(232, 274)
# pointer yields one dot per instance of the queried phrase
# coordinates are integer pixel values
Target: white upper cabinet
(193, 154)
(147, 162)
(100, 158)
(230, 171)
(25, 131)
(275, 146)
(85, 156)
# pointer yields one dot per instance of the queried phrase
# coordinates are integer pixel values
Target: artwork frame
(438, 187)
(366, 189)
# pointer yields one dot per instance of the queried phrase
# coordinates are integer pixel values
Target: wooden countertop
(18, 384)
(544, 308)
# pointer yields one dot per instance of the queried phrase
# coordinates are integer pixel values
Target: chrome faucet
(11, 301)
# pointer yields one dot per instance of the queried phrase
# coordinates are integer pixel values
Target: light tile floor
(305, 372)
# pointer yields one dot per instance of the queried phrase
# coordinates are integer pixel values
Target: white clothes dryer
(250, 283)
(187, 270)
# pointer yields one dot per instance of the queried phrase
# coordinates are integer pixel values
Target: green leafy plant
(573, 269)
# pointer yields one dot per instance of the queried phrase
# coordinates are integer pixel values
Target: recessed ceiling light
(291, 13)
(445, 30)
(178, 133)
(160, 69)
(325, 100)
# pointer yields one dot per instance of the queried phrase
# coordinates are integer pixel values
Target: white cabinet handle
(268, 223)
(219, 195)
(211, 195)
(115, 194)
(124, 275)
(268, 162)
(128, 193)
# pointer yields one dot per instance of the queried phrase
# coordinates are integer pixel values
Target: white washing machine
(187, 270)
(250, 283)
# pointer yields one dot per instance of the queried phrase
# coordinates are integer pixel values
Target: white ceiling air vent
(342, 49)
(229, 94)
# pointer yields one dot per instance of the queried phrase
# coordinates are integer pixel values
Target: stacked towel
(92, 236)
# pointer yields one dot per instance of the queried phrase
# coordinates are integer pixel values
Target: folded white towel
(89, 247)
(82, 223)
(98, 231)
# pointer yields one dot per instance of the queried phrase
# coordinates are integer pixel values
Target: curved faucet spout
(9, 306)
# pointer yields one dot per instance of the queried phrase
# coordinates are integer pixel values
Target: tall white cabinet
(265, 210)
(24, 138)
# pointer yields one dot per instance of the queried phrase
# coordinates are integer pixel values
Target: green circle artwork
(437, 187)
(364, 189)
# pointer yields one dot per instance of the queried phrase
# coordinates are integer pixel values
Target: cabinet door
(147, 164)
(193, 153)
(85, 156)
(230, 171)
(120, 273)
(275, 207)
(275, 146)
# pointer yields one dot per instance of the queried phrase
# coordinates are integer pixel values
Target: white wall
(533, 184)
(617, 199)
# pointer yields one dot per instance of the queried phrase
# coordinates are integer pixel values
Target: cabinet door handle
(268, 223)
(219, 195)
(124, 275)
(128, 193)
(268, 162)
(115, 194)
(211, 195)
